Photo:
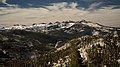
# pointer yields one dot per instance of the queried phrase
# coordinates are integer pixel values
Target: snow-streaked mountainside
(60, 25)
(67, 27)
(60, 44)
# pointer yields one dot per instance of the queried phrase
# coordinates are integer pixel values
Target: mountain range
(68, 43)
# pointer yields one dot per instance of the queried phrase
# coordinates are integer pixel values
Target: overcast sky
(106, 12)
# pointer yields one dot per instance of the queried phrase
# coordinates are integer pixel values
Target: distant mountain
(68, 28)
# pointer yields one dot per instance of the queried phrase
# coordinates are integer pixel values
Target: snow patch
(20, 27)
(95, 33)
(91, 24)
(63, 47)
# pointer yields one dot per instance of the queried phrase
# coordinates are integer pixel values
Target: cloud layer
(60, 12)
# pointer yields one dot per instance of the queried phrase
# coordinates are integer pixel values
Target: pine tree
(76, 60)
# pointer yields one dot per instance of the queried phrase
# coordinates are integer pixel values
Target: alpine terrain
(60, 44)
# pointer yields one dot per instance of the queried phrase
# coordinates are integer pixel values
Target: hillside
(67, 44)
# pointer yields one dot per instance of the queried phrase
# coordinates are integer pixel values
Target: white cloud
(73, 5)
(57, 6)
(4, 1)
(63, 5)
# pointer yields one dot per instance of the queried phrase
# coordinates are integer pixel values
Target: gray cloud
(94, 6)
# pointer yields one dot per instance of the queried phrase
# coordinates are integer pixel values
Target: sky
(105, 12)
